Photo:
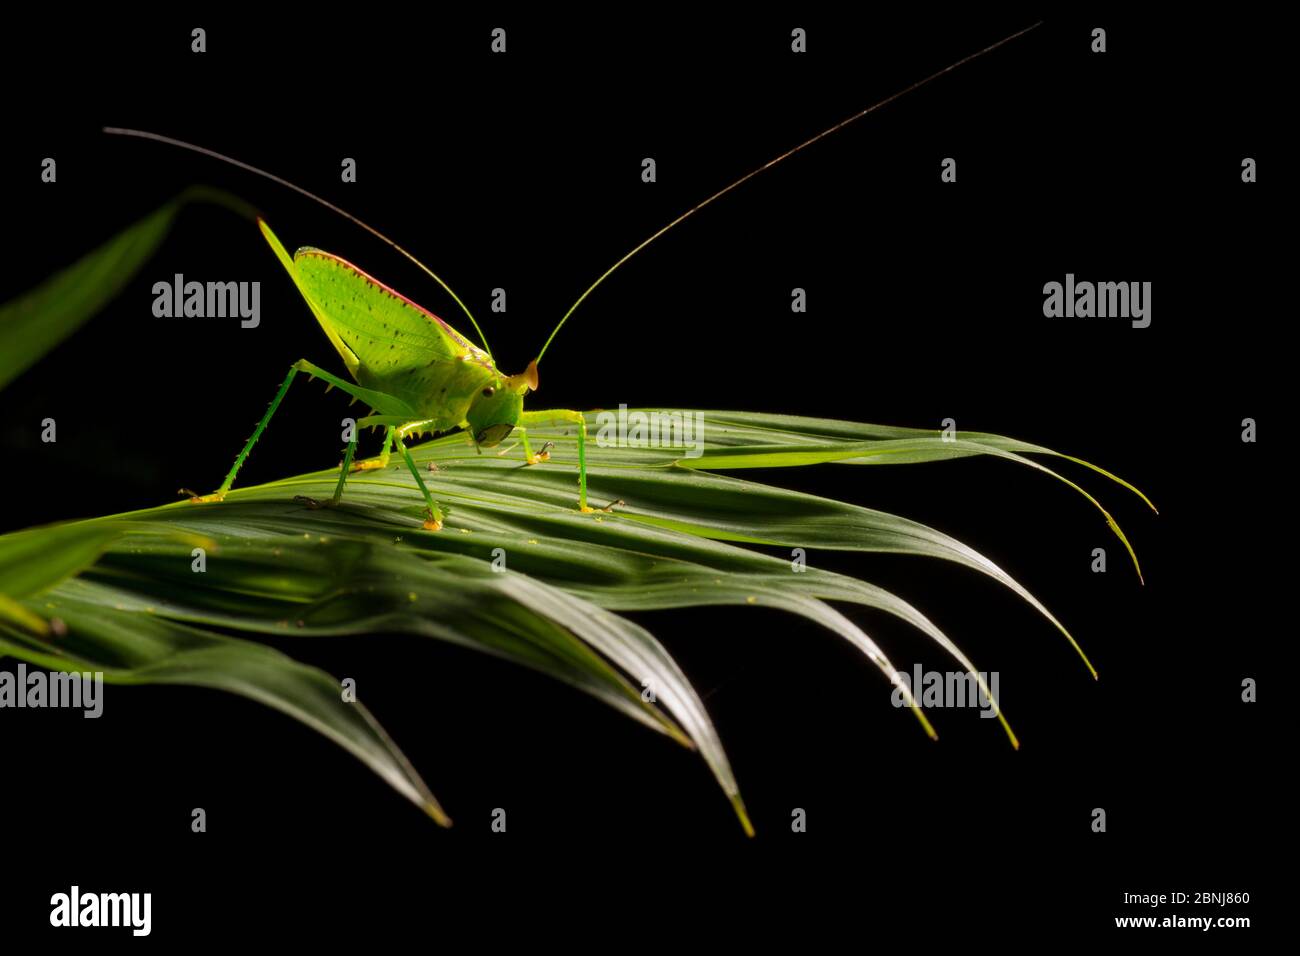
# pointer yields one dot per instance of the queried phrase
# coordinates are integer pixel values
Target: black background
(925, 302)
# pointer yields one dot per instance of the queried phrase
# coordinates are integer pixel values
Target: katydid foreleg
(576, 418)
(529, 457)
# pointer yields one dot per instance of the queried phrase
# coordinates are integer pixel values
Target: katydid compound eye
(489, 392)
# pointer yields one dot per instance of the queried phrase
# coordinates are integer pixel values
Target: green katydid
(417, 373)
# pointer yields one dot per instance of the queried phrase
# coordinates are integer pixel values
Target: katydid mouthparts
(417, 373)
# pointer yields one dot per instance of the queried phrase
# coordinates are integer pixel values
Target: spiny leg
(385, 403)
(378, 400)
(220, 493)
(345, 468)
(338, 489)
(435, 513)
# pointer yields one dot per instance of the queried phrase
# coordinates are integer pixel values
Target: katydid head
(495, 410)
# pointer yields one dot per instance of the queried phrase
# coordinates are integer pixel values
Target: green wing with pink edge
(349, 357)
(370, 323)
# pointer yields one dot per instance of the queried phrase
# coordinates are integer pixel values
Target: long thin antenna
(213, 154)
(770, 163)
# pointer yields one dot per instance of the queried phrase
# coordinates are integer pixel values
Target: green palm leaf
(41, 318)
(119, 594)
(516, 572)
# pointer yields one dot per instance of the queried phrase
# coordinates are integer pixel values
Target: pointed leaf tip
(738, 805)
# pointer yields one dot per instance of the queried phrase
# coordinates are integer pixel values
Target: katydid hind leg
(229, 480)
(338, 488)
(375, 399)
(380, 401)
(345, 468)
